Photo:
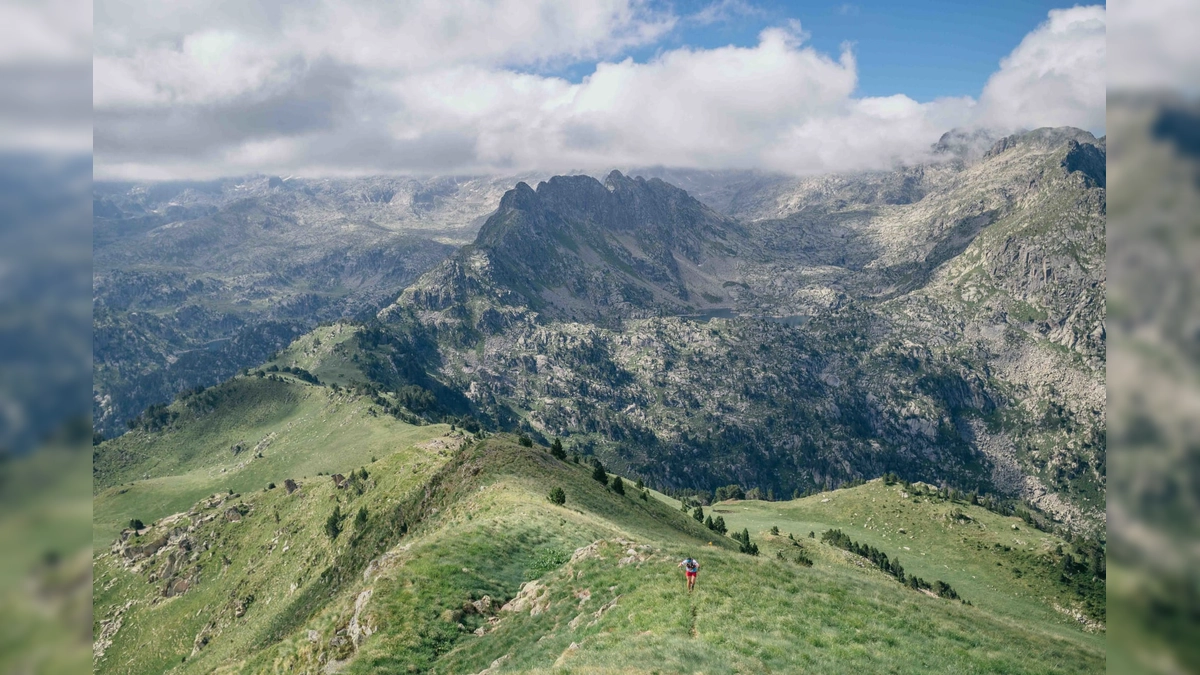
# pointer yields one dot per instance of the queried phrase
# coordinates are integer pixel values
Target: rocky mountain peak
(1043, 139)
(965, 144)
(521, 197)
(578, 248)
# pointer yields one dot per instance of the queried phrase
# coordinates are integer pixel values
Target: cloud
(1154, 46)
(317, 88)
(45, 73)
(722, 11)
(1055, 77)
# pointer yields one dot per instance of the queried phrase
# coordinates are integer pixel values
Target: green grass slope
(997, 562)
(45, 568)
(462, 565)
(239, 436)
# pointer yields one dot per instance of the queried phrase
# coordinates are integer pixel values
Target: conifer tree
(618, 485)
(333, 524)
(598, 473)
(556, 449)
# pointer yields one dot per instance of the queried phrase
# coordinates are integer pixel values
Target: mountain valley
(394, 425)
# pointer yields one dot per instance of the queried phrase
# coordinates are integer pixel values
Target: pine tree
(640, 485)
(698, 514)
(618, 485)
(556, 449)
(333, 524)
(360, 518)
(557, 496)
(598, 473)
(719, 525)
(748, 547)
(708, 522)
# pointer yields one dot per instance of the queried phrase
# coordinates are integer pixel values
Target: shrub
(136, 524)
(557, 496)
(645, 497)
(525, 441)
(803, 560)
(729, 492)
(546, 560)
(333, 524)
(640, 485)
(360, 518)
(270, 486)
(943, 590)
(556, 449)
(618, 485)
(775, 530)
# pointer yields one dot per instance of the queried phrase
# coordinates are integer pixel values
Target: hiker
(690, 568)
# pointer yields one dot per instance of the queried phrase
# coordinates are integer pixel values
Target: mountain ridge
(1028, 216)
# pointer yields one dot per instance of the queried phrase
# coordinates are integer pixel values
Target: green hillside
(999, 563)
(239, 436)
(459, 563)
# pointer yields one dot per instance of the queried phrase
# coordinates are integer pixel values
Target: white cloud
(1154, 45)
(1055, 77)
(320, 88)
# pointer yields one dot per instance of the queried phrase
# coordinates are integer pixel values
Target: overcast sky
(206, 88)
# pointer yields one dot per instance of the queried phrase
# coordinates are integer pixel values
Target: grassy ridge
(299, 430)
(255, 580)
(479, 524)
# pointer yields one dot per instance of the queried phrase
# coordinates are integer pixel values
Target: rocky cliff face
(579, 249)
(943, 321)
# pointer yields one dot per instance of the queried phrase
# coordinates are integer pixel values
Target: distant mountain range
(195, 280)
(944, 321)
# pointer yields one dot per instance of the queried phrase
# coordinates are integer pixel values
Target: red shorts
(690, 575)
